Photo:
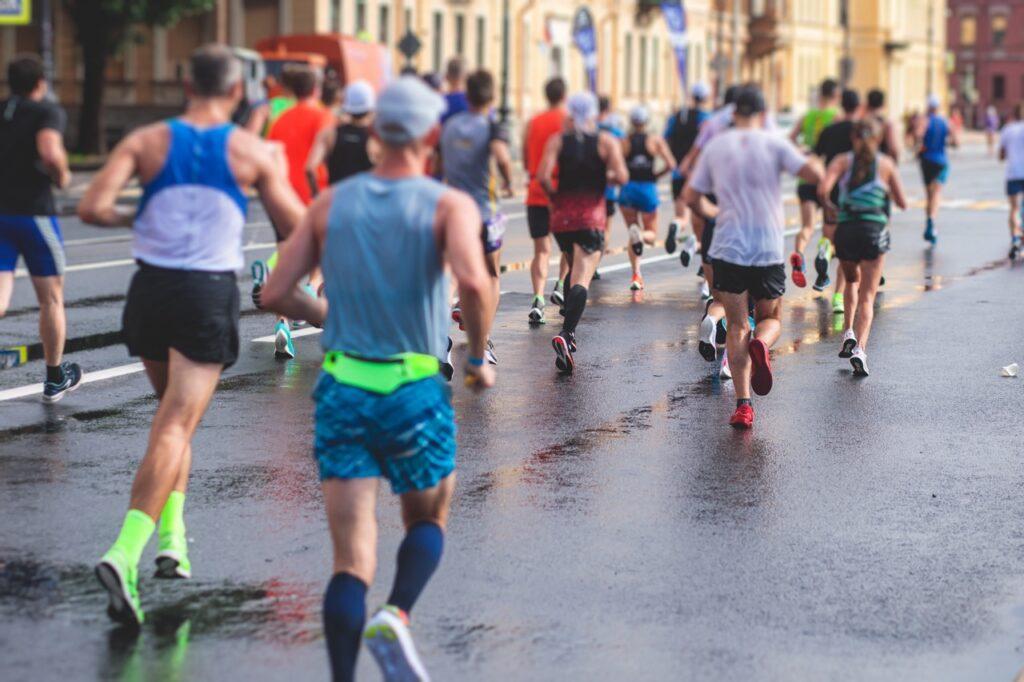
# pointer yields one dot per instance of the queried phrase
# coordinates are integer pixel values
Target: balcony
(764, 29)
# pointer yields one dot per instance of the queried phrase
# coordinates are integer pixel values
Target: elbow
(87, 213)
(475, 287)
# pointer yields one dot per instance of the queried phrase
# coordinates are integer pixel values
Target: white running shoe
(706, 338)
(636, 239)
(724, 371)
(688, 250)
(284, 349)
(849, 344)
(388, 638)
(859, 360)
(489, 355)
(705, 290)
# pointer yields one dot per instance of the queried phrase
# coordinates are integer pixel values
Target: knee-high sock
(418, 556)
(344, 617)
(575, 302)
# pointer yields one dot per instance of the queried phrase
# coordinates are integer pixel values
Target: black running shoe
(72, 377)
(670, 240)
(597, 275)
(881, 282)
(563, 355)
(700, 271)
(720, 332)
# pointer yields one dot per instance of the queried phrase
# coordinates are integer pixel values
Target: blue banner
(585, 39)
(675, 18)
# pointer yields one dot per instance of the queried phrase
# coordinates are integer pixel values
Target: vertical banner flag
(585, 38)
(675, 17)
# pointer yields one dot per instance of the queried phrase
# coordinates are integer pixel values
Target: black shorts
(934, 172)
(705, 238)
(538, 219)
(805, 192)
(609, 207)
(677, 186)
(591, 241)
(765, 282)
(861, 240)
(195, 313)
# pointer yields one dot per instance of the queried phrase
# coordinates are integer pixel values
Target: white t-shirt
(721, 120)
(1012, 140)
(743, 168)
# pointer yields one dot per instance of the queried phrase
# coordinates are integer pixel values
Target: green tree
(103, 27)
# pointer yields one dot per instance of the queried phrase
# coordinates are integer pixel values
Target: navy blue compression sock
(344, 617)
(418, 556)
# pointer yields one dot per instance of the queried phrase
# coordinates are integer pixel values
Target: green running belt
(384, 375)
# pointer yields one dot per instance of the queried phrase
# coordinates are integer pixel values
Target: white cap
(407, 110)
(359, 98)
(582, 108)
(933, 102)
(639, 115)
(700, 91)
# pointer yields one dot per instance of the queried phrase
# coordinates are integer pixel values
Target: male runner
(890, 144)
(1011, 150)
(455, 98)
(638, 198)
(834, 140)
(469, 141)
(587, 160)
(742, 168)
(934, 133)
(806, 133)
(347, 148)
(681, 132)
(609, 122)
(381, 409)
(33, 161)
(539, 130)
(181, 314)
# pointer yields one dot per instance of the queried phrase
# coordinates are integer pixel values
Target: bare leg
(351, 516)
(650, 227)
(807, 211)
(629, 215)
(737, 340)
(871, 275)
(852, 271)
(6, 289)
(52, 323)
(1015, 230)
(539, 265)
(934, 196)
(768, 321)
(431, 505)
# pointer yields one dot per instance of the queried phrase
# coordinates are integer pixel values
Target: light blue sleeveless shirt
(385, 279)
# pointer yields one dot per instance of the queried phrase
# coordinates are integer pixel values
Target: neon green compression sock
(172, 518)
(135, 533)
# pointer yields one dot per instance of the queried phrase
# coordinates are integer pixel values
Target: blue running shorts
(1014, 187)
(639, 196)
(37, 239)
(407, 437)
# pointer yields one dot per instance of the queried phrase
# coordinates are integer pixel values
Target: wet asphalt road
(606, 525)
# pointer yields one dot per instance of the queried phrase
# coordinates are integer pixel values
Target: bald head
(215, 71)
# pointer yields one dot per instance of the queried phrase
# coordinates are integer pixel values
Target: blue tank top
(934, 142)
(383, 270)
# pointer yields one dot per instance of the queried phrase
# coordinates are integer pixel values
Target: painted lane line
(89, 241)
(296, 334)
(87, 378)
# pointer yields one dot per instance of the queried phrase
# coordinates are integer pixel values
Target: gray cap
(582, 108)
(407, 110)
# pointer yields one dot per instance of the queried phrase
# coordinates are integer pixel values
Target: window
(998, 30)
(481, 36)
(629, 64)
(438, 38)
(998, 86)
(643, 66)
(968, 31)
(360, 16)
(384, 24)
(460, 34)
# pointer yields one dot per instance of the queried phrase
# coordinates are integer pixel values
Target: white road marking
(296, 334)
(88, 241)
(87, 378)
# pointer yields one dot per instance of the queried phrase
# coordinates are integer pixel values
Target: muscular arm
(279, 198)
(661, 148)
(503, 160)
(50, 145)
(899, 197)
(798, 127)
(546, 169)
(99, 204)
(322, 145)
(811, 171)
(298, 255)
(892, 141)
(611, 151)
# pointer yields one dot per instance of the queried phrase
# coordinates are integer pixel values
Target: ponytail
(866, 140)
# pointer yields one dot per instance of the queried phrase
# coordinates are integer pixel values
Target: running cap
(582, 108)
(700, 91)
(359, 98)
(639, 115)
(933, 101)
(407, 110)
(750, 101)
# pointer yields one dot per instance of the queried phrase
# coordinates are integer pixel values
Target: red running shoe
(457, 317)
(743, 417)
(761, 371)
(797, 261)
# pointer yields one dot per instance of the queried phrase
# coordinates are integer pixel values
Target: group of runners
(376, 212)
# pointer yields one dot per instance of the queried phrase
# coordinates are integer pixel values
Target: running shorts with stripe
(37, 239)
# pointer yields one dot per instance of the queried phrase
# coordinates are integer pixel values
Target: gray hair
(214, 70)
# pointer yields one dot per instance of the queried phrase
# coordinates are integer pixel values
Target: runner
(381, 410)
(587, 160)
(455, 80)
(539, 130)
(866, 179)
(681, 133)
(639, 197)
(890, 145)
(1011, 150)
(610, 122)
(181, 313)
(934, 133)
(806, 133)
(346, 149)
(469, 141)
(34, 160)
(991, 127)
(834, 140)
(742, 168)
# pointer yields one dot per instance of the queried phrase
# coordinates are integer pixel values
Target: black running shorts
(609, 207)
(805, 192)
(761, 282)
(861, 240)
(591, 241)
(538, 219)
(195, 313)
(678, 183)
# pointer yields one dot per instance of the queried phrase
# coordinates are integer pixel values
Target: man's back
(1011, 140)
(297, 129)
(466, 156)
(24, 188)
(539, 130)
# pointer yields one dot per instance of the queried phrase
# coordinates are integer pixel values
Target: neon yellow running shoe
(121, 581)
(837, 303)
(172, 557)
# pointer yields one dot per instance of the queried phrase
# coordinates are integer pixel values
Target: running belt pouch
(383, 376)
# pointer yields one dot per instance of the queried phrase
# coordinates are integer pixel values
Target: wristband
(475, 362)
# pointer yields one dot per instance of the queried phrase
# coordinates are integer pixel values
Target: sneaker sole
(120, 608)
(670, 240)
(741, 426)
(281, 350)
(705, 343)
(847, 352)
(761, 379)
(859, 370)
(387, 648)
(168, 566)
(70, 389)
(799, 279)
(537, 318)
(685, 257)
(563, 359)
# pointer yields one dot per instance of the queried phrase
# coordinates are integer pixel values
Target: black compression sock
(743, 401)
(55, 374)
(575, 302)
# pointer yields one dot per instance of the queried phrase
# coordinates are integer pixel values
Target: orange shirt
(296, 129)
(538, 131)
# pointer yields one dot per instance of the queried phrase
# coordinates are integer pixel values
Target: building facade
(986, 44)
(786, 45)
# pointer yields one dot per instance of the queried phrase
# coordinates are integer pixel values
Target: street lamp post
(503, 109)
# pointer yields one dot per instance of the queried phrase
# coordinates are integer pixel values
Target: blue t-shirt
(457, 103)
(934, 142)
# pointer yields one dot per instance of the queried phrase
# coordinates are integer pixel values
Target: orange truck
(342, 57)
